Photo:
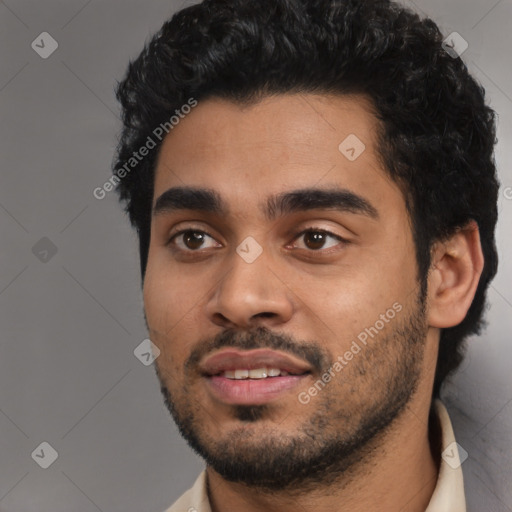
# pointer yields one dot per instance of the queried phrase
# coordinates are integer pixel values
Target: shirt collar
(448, 495)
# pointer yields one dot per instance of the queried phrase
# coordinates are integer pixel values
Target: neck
(400, 473)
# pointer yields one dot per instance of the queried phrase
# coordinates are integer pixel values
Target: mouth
(257, 373)
(253, 377)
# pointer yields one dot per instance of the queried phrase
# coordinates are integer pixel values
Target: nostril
(265, 315)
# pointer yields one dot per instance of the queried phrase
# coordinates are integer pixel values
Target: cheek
(167, 296)
(349, 306)
(346, 302)
(164, 307)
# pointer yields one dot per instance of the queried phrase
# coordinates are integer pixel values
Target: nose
(250, 294)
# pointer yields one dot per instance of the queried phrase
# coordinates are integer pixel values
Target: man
(314, 191)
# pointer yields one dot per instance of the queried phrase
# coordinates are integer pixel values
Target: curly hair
(437, 137)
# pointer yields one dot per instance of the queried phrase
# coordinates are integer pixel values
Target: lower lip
(252, 391)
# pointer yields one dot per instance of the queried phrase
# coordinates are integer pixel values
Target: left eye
(315, 239)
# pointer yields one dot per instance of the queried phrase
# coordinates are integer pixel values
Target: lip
(252, 391)
(232, 359)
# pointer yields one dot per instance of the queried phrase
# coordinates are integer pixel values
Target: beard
(345, 421)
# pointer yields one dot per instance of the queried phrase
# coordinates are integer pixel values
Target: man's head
(346, 120)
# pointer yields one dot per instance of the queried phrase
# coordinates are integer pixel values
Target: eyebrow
(209, 201)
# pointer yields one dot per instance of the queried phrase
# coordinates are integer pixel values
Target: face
(281, 287)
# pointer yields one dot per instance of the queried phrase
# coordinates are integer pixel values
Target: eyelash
(295, 236)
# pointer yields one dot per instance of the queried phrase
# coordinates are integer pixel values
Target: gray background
(70, 324)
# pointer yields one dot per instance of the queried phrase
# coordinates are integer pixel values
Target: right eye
(189, 240)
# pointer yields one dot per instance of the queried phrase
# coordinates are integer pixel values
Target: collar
(448, 495)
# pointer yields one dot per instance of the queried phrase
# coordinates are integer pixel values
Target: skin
(246, 153)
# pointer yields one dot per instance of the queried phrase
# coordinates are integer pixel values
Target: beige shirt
(448, 494)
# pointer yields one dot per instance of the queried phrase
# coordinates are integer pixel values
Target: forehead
(284, 142)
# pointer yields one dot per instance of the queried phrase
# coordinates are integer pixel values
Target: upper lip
(233, 359)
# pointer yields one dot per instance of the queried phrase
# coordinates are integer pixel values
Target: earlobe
(455, 271)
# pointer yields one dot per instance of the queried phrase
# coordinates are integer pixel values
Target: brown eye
(315, 239)
(190, 240)
(193, 239)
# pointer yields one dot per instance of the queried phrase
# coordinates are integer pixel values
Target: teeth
(258, 373)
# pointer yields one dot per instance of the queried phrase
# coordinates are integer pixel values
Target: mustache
(261, 337)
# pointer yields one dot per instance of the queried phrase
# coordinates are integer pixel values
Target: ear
(455, 271)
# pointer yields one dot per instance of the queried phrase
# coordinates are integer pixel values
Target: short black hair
(437, 137)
